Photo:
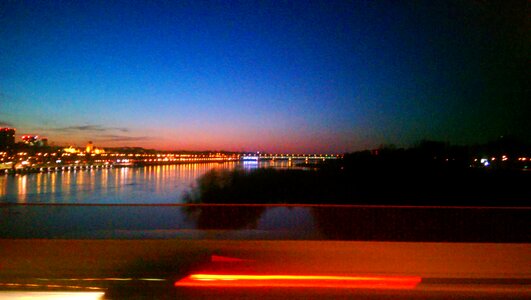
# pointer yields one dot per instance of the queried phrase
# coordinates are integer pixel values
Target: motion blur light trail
(314, 281)
(51, 295)
(46, 286)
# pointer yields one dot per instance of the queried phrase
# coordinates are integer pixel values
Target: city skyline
(311, 77)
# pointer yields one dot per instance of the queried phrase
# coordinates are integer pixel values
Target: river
(147, 203)
(143, 185)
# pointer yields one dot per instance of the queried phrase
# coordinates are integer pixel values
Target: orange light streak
(313, 281)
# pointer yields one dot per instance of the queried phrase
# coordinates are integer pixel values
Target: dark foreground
(147, 269)
(350, 252)
(268, 222)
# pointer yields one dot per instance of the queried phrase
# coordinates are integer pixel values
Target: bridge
(274, 156)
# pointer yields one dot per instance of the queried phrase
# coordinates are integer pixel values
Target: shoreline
(85, 167)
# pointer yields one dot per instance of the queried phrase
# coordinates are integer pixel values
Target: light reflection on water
(148, 185)
(151, 184)
(22, 184)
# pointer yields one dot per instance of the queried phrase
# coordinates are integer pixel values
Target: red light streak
(313, 281)
(218, 258)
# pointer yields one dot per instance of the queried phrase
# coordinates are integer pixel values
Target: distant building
(34, 140)
(90, 147)
(30, 139)
(7, 138)
(98, 151)
(71, 150)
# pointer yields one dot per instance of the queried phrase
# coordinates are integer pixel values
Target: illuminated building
(34, 140)
(7, 138)
(90, 147)
(99, 151)
(70, 150)
(30, 139)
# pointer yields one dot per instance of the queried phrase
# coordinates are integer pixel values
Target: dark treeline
(435, 155)
(431, 173)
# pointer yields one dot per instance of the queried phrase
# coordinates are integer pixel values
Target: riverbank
(462, 187)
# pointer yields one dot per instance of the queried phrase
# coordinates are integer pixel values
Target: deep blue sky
(286, 76)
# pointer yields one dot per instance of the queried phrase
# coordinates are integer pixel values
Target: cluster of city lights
(486, 161)
(90, 157)
(71, 158)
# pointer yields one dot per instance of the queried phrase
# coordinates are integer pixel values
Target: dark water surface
(266, 223)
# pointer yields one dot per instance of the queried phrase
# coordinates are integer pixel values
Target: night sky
(281, 76)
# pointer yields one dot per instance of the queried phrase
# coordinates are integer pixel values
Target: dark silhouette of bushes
(372, 185)
(225, 217)
(431, 173)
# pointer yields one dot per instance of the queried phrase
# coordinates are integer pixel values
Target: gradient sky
(281, 76)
